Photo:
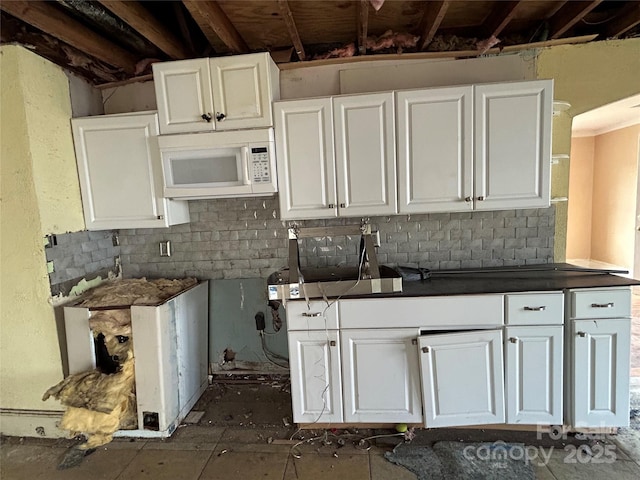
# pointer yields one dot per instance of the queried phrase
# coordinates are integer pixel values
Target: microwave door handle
(245, 164)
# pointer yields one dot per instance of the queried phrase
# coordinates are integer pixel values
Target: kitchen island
(534, 345)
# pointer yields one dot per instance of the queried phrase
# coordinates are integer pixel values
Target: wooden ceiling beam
(46, 17)
(285, 11)
(433, 15)
(627, 18)
(570, 14)
(139, 18)
(500, 17)
(363, 26)
(215, 18)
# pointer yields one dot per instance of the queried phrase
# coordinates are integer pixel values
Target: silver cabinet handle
(541, 308)
(513, 340)
(425, 349)
(602, 305)
(332, 343)
(314, 314)
(582, 334)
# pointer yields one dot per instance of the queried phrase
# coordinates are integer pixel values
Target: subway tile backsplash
(243, 238)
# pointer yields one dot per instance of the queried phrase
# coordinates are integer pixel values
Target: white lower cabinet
(316, 392)
(533, 378)
(381, 378)
(462, 378)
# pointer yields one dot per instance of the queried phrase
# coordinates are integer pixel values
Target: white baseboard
(31, 423)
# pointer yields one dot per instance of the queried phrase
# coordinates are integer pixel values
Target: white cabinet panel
(120, 173)
(365, 154)
(371, 358)
(513, 144)
(435, 149)
(600, 367)
(316, 392)
(462, 378)
(534, 374)
(305, 156)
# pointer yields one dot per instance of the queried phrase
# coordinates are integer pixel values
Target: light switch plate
(165, 248)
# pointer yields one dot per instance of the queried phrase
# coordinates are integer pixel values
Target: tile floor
(244, 433)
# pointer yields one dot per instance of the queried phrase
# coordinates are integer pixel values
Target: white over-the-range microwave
(238, 163)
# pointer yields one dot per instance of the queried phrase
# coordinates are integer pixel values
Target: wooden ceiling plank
(287, 15)
(628, 18)
(570, 14)
(363, 26)
(217, 20)
(44, 16)
(433, 15)
(500, 17)
(138, 18)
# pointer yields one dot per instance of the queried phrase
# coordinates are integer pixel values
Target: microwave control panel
(260, 169)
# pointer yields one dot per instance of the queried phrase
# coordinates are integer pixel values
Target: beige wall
(587, 76)
(615, 173)
(40, 195)
(580, 194)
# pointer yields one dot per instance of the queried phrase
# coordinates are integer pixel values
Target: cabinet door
(304, 147)
(513, 145)
(314, 361)
(375, 357)
(183, 95)
(365, 154)
(600, 366)
(241, 91)
(119, 171)
(435, 149)
(534, 374)
(462, 378)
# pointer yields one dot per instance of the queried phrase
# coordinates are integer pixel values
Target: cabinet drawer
(315, 315)
(544, 308)
(459, 311)
(601, 303)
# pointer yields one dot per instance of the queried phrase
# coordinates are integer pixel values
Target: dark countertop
(517, 279)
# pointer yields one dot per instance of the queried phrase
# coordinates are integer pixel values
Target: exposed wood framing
(363, 25)
(138, 18)
(287, 16)
(215, 18)
(46, 17)
(182, 24)
(626, 19)
(433, 15)
(500, 17)
(570, 14)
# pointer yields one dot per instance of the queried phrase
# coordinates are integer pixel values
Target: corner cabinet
(120, 173)
(336, 156)
(222, 93)
(482, 147)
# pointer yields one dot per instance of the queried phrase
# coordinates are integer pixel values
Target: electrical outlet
(376, 238)
(50, 268)
(165, 248)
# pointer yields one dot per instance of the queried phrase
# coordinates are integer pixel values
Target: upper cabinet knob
(220, 116)
(467, 199)
(206, 116)
(481, 198)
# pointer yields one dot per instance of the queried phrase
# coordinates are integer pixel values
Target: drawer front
(456, 311)
(601, 303)
(315, 315)
(544, 308)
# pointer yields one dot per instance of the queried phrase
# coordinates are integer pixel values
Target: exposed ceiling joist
(433, 15)
(500, 17)
(570, 14)
(285, 11)
(49, 19)
(628, 18)
(215, 18)
(138, 18)
(363, 25)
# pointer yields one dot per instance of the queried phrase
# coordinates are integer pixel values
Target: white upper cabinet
(513, 145)
(305, 156)
(120, 173)
(435, 149)
(365, 154)
(222, 93)
(336, 157)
